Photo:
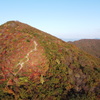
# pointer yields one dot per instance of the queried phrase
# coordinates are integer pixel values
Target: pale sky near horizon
(67, 19)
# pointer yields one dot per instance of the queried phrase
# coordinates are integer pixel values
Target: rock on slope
(92, 46)
(37, 66)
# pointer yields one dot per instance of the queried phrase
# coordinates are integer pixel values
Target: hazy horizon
(74, 39)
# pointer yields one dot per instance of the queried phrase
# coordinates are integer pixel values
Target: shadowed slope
(91, 46)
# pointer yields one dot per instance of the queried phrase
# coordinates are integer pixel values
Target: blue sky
(62, 18)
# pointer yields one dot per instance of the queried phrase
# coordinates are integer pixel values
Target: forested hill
(35, 65)
(92, 46)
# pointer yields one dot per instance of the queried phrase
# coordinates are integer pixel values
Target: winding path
(26, 57)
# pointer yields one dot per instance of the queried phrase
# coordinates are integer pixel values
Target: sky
(67, 19)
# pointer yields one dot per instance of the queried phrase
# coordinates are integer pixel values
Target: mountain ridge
(91, 46)
(36, 65)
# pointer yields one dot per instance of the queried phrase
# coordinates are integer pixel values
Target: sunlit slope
(37, 66)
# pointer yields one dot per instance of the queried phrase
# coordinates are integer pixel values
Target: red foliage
(2, 80)
(34, 75)
(10, 82)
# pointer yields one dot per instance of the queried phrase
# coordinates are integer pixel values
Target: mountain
(69, 40)
(35, 65)
(91, 46)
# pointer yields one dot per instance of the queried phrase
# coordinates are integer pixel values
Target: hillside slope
(92, 46)
(37, 66)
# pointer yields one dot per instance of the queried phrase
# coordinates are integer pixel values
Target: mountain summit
(35, 65)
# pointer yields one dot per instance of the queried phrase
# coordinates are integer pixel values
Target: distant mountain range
(72, 40)
(35, 65)
(67, 40)
(91, 46)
